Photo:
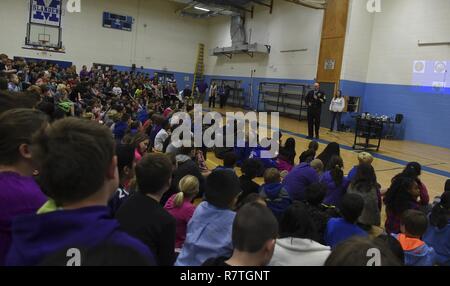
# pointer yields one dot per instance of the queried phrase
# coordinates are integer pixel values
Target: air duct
(239, 44)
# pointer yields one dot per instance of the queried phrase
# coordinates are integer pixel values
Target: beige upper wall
(167, 41)
(290, 27)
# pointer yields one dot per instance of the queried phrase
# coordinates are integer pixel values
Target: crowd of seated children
(62, 179)
(78, 170)
(298, 243)
(274, 193)
(254, 232)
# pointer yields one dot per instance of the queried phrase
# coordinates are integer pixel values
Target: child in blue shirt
(413, 226)
(341, 229)
(276, 196)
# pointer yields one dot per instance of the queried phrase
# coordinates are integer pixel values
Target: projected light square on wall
(431, 76)
(118, 22)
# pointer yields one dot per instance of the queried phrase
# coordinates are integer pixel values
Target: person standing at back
(212, 95)
(337, 107)
(314, 100)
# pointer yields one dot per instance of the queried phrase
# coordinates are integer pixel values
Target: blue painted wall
(426, 111)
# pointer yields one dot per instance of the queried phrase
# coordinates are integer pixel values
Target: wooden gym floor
(388, 162)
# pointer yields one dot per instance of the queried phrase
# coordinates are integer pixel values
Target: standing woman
(337, 107)
(212, 95)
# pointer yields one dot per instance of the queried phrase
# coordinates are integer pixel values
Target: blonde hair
(189, 187)
(365, 158)
(317, 164)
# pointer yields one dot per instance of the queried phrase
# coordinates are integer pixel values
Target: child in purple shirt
(19, 193)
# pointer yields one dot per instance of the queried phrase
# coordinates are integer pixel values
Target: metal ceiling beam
(309, 5)
(260, 2)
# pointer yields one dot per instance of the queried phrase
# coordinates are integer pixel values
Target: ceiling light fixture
(202, 9)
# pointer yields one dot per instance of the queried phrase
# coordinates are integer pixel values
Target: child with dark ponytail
(335, 181)
(438, 233)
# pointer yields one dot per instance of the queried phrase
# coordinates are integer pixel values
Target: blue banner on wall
(46, 12)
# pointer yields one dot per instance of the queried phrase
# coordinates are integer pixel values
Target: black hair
(398, 198)
(229, 159)
(354, 252)
(335, 167)
(313, 145)
(365, 178)
(16, 128)
(331, 150)
(415, 222)
(307, 156)
(250, 198)
(125, 157)
(352, 206)
(3, 84)
(290, 144)
(153, 173)
(393, 244)
(440, 214)
(413, 170)
(73, 155)
(11, 100)
(222, 188)
(447, 186)
(315, 194)
(253, 226)
(251, 168)
(296, 222)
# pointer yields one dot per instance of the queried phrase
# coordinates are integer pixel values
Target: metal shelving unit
(286, 98)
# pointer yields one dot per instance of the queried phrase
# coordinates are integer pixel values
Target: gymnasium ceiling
(211, 8)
